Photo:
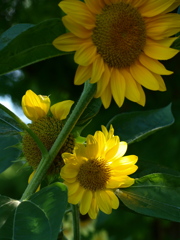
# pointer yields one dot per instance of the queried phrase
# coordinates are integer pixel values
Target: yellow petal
(122, 149)
(128, 182)
(113, 183)
(153, 7)
(92, 149)
(72, 188)
(163, 26)
(75, 28)
(69, 171)
(85, 54)
(77, 196)
(97, 70)
(67, 42)
(93, 211)
(94, 5)
(106, 96)
(60, 110)
(113, 198)
(132, 91)
(85, 202)
(137, 3)
(118, 86)
(78, 11)
(158, 51)
(172, 7)
(143, 76)
(142, 100)
(103, 81)
(162, 86)
(153, 65)
(100, 138)
(124, 162)
(83, 73)
(103, 202)
(35, 106)
(126, 171)
(166, 42)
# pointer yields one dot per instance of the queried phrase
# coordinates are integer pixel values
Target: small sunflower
(47, 127)
(118, 44)
(95, 170)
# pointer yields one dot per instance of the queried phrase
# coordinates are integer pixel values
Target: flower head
(118, 44)
(47, 127)
(37, 106)
(95, 170)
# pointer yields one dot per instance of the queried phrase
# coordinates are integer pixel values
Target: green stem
(26, 128)
(86, 96)
(76, 227)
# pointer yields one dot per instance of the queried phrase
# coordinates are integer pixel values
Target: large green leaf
(7, 205)
(156, 195)
(9, 136)
(25, 44)
(39, 217)
(135, 126)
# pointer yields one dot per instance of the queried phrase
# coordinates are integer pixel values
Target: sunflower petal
(144, 77)
(118, 86)
(83, 73)
(67, 42)
(153, 65)
(158, 51)
(86, 202)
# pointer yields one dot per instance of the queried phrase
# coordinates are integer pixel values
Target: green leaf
(155, 195)
(54, 206)
(9, 153)
(9, 137)
(25, 44)
(8, 125)
(39, 217)
(7, 205)
(135, 126)
(91, 111)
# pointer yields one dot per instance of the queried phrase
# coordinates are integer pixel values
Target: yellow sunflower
(37, 106)
(118, 44)
(47, 122)
(95, 170)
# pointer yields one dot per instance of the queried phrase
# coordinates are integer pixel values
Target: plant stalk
(85, 98)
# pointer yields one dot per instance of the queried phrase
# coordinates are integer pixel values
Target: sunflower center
(119, 34)
(94, 174)
(47, 129)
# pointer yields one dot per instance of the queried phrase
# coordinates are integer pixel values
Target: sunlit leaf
(155, 195)
(39, 217)
(7, 205)
(134, 126)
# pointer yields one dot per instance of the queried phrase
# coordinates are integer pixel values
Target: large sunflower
(118, 44)
(94, 171)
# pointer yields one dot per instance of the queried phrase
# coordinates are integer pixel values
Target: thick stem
(76, 227)
(86, 97)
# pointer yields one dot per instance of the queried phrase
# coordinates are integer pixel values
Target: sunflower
(47, 122)
(118, 44)
(95, 170)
